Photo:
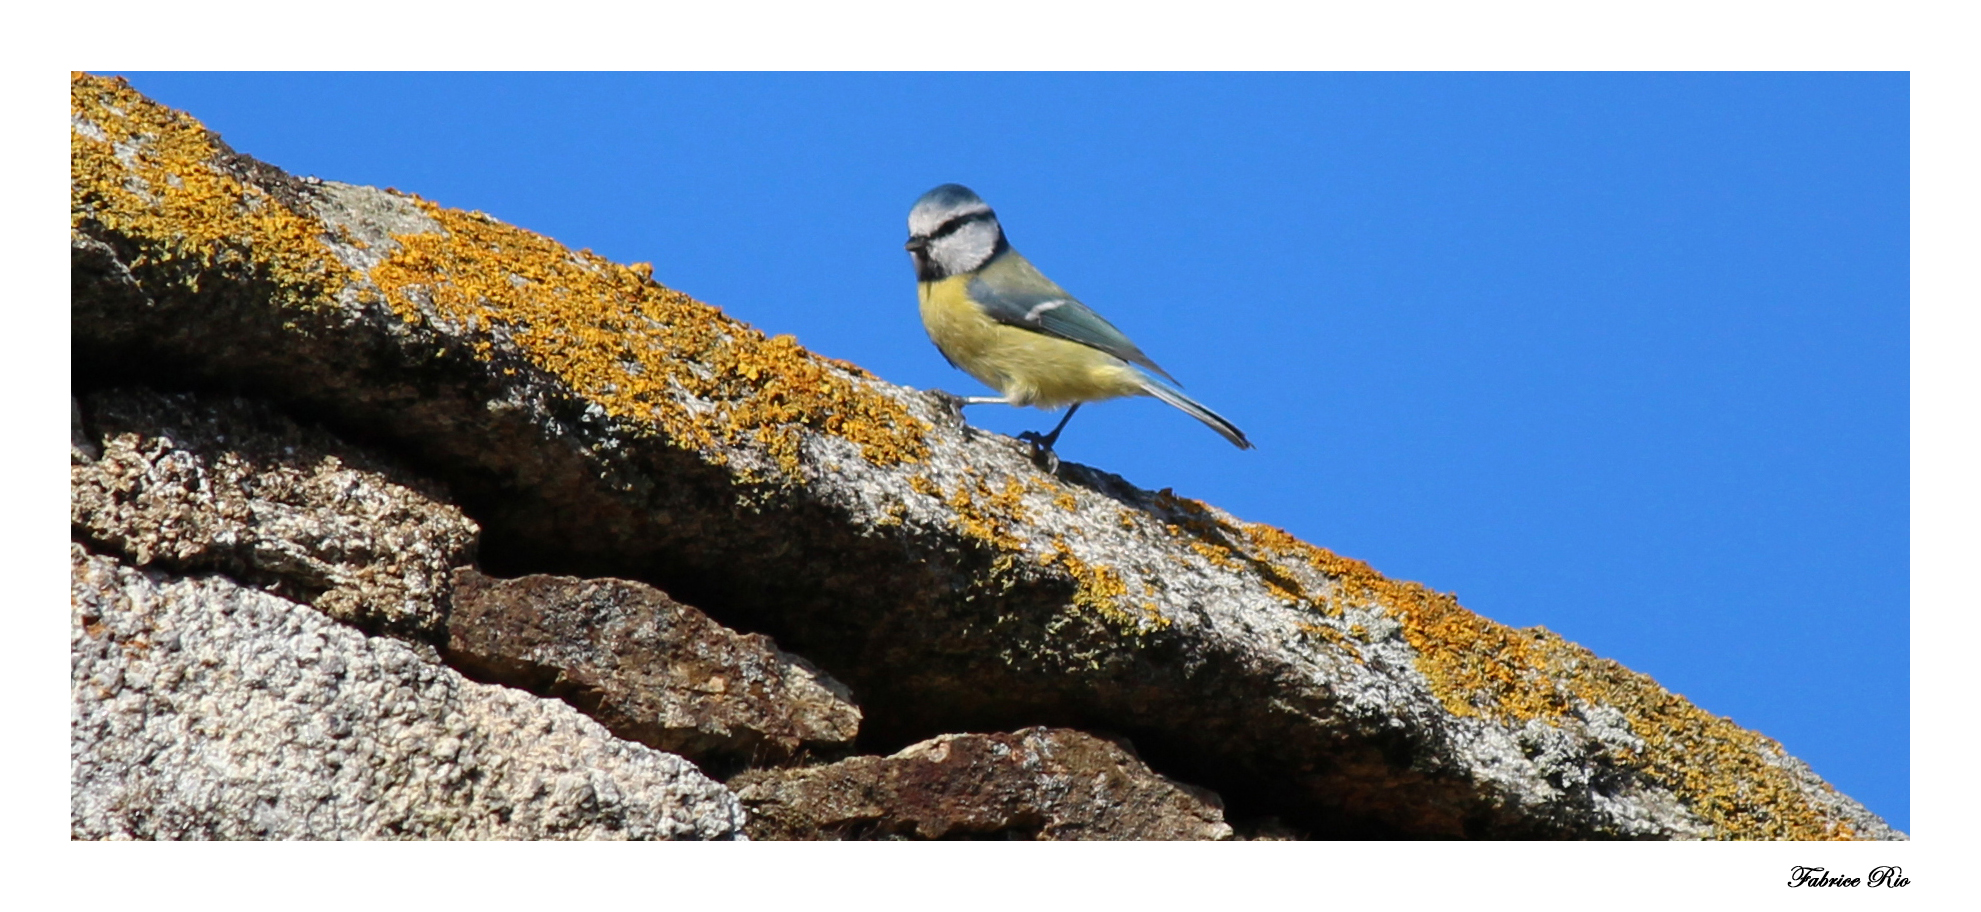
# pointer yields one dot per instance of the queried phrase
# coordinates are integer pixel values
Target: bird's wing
(1013, 292)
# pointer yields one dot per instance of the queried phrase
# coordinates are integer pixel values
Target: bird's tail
(1196, 410)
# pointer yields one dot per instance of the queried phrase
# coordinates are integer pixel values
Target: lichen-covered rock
(1039, 783)
(649, 668)
(226, 484)
(596, 423)
(203, 709)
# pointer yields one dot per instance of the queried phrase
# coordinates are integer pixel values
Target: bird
(991, 313)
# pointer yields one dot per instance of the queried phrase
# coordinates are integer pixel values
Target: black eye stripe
(953, 225)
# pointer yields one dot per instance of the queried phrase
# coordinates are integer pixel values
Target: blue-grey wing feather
(1012, 291)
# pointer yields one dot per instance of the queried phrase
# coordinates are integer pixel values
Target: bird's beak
(916, 244)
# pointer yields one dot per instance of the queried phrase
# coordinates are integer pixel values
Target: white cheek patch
(1038, 311)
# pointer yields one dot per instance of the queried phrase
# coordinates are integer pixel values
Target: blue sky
(1623, 355)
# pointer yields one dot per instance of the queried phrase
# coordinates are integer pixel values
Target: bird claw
(1042, 454)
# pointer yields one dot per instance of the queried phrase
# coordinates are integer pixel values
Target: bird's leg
(954, 404)
(1048, 440)
(1042, 446)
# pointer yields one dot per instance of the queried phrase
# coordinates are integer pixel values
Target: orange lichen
(1201, 531)
(978, 512)
(994, 517)
(142, 170)
(1009, 501)
(1479, 667)
(1336, 637)
(1102, 591)
(974, 524)
(642, 351)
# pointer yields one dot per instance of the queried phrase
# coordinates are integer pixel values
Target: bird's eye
(950, 227)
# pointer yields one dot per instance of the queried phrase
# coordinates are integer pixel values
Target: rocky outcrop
(594, 423)
(190, 484)
(1039, 783)
(206, 709)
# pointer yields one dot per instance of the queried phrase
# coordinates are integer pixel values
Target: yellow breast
(1027, 367)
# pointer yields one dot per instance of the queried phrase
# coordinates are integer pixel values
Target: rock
(203, 709)
(596, 423)
(229, 485)
(191, 483)
(1039, 783)
(650, 668)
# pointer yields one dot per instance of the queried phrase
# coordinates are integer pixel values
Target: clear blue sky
(1621, 355)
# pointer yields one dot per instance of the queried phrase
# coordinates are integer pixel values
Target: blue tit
(991, 313)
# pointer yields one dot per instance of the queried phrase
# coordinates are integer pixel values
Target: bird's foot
(1042, 454)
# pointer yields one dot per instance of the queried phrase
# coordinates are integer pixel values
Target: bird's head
(952, 231)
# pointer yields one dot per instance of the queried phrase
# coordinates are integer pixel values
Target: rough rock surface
(650, 668)
(1039, 783)
(205, 709)
(228, 485)
(596, 423)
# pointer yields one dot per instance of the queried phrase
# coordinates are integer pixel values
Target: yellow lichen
(1479, 667)
(1102, 591)
(1010, 502)
(642, 351)
(142, 170)
(985, 515)
(1213, 539)
(1333, 636)
(651, 356)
